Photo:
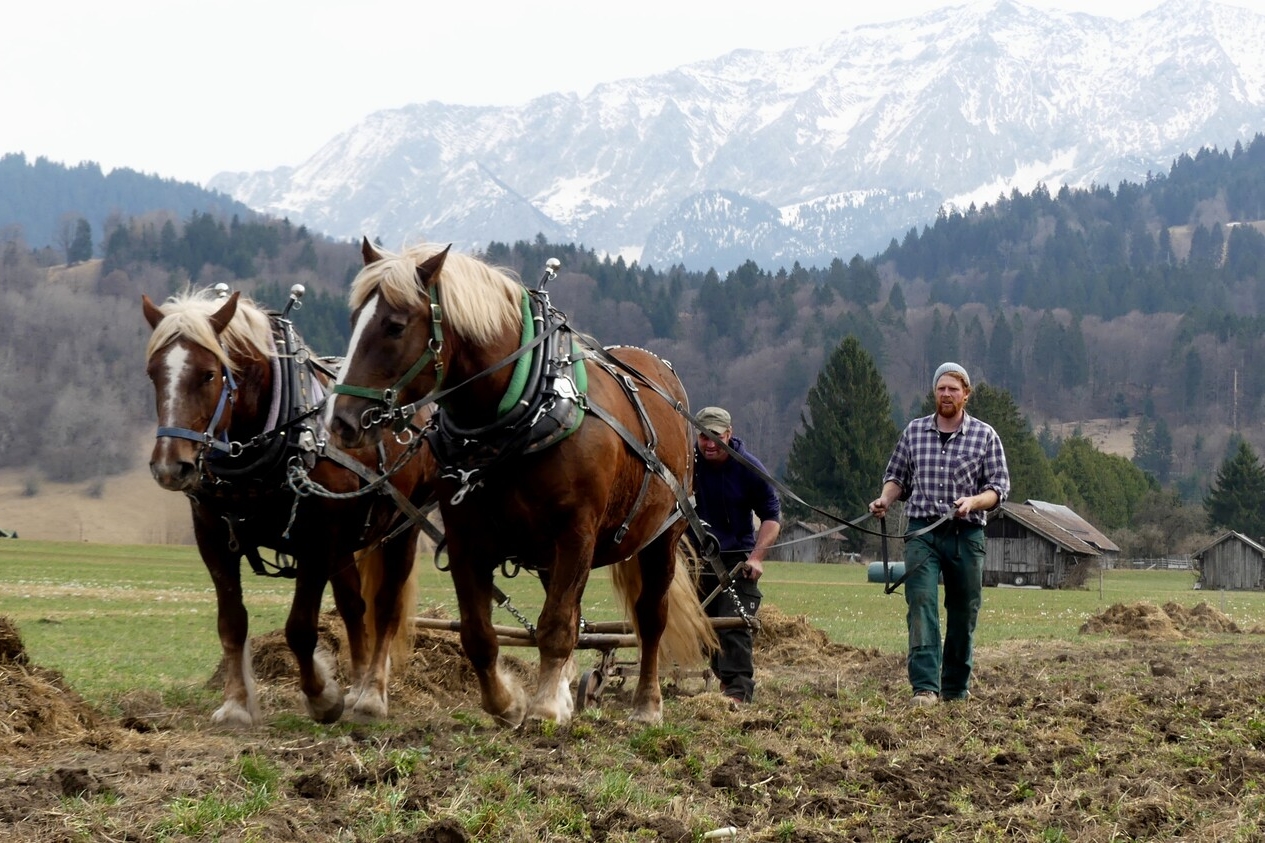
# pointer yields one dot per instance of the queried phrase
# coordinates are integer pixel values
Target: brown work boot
(924, 699)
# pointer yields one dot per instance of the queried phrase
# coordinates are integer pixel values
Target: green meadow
(113, 618)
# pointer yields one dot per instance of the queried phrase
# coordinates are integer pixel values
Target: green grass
(114, 618)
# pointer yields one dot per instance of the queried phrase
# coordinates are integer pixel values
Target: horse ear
(430, 267)
(370, 254)
(221, 317)
(153, 315)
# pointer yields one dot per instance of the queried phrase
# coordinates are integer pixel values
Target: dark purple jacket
(727, 494)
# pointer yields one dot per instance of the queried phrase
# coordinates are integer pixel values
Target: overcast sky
(190, 88)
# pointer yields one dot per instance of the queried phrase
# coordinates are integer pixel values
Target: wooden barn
(799, 542)
(1232, 562)
(1035, 543)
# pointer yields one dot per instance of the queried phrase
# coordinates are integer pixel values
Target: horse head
(396, 354)
(194, 385)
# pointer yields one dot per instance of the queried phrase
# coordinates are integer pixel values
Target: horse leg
(321, 692)
(345, 582)
(394, 596)
(501, 694)
(657, 565)
(240, 708)
(558, 629)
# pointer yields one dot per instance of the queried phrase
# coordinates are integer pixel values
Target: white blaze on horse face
(175, 362)
(357, 332)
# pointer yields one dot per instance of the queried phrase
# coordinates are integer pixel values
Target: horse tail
(371, 564)
(688, 638)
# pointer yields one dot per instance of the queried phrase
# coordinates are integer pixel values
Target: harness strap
(413, 515)
(652, 461)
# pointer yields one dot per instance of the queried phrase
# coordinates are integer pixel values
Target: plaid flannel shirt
(932, 476)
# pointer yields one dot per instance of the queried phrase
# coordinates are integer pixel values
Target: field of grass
(1067, 737)
(115, 617)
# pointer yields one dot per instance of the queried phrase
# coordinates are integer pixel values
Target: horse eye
(395, 329)
(208, 376)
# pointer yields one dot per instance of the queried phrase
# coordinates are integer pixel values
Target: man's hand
(753, 569)
(891, 492)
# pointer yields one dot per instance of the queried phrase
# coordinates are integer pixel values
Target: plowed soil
(1151, 727)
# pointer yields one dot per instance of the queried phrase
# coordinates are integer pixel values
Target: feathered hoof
(234, 715)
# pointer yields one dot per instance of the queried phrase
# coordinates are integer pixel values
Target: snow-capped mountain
(797, 155)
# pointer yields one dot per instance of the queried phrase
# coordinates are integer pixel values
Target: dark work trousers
(733, 663)
(955, 550)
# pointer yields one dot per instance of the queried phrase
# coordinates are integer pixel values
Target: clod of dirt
(444, 831)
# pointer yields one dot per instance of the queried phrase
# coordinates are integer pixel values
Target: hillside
(128, 508)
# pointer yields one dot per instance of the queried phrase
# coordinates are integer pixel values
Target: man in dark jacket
(732, 499)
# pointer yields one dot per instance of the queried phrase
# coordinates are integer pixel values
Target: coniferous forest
(1138, 305)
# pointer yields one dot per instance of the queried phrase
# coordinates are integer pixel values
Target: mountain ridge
(850, 141)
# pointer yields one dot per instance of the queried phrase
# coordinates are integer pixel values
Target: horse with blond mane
(238, 400)
(554, 453)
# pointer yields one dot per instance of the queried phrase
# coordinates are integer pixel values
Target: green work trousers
(955, 552)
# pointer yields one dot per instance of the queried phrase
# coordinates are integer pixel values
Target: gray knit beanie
(950, 367)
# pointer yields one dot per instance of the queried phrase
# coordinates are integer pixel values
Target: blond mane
(187, 316)
(480, 301)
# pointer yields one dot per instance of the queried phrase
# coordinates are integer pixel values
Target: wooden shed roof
(1074, 524)
(1060, 525)
(1226, 536)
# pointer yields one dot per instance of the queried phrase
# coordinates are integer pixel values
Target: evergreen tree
(1236, 500)
(837, 460)
(1107, 486)
(1000, 361)
(80, 248)
(1153, 449)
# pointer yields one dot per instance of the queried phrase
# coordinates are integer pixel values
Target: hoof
(649, 716)
(327, 707)
(367, 707)
(234, 716)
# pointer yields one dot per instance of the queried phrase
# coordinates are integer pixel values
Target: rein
(399, 414)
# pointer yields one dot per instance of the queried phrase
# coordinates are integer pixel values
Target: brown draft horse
(428, 315)
(216, 374)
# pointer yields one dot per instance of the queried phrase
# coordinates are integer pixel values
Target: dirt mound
(1168, 623)
(792, 641)
(36, 701)
(1202, 618)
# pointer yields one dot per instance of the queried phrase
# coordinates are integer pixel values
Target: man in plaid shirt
(948, 462)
